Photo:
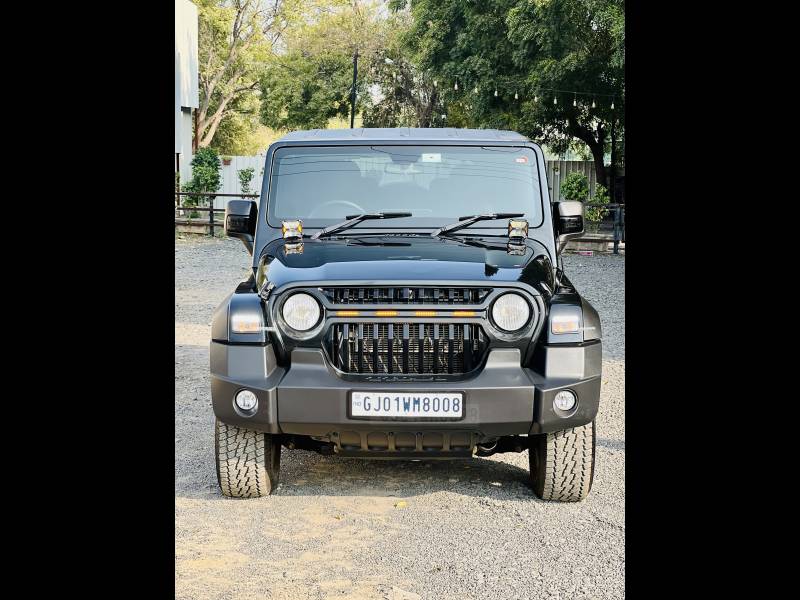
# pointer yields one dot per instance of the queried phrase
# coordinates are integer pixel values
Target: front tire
(248, 462)
(562, 464)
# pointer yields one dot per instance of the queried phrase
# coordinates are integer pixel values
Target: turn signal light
(425, 313)
(386, 313)
(347, 313)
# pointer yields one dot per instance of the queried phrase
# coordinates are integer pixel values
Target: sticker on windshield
(523, 160)
(432, 157)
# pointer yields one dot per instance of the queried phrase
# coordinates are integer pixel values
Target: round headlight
(301, 312)
(511, 312)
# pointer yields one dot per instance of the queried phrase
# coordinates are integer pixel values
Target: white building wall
(187, 93)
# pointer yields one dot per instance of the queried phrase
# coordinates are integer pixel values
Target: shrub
(245, 177)
(595, 214)
(575, 187)
(205, 176)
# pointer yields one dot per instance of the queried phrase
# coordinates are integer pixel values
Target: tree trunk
(596, 142)
(613, 174)
(599, 167)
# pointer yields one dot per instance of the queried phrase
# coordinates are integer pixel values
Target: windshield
(436, 184)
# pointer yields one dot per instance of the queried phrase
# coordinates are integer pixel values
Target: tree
(304, 91)
(404, 96)
(311, 81)
(236, 38)
(532, 49)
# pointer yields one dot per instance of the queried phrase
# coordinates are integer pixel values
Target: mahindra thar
(407, 301)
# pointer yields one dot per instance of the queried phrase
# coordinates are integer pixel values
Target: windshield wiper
(470, 219)
(355, 220)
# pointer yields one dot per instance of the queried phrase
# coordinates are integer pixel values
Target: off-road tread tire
(248, 462)
(562, 464)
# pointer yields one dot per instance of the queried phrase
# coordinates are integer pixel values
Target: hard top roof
(405, 134)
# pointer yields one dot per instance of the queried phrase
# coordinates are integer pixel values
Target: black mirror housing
(240, 221)
(568, 221)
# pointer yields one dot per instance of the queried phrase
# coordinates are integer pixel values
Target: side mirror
(240, 221)
(569, 221)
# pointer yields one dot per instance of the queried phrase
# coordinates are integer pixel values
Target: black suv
(407, 301)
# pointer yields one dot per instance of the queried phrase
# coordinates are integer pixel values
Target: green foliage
(311, 82)
(237, 133)
(407, 95)
(304, 92)
(530, 47)
(597, 214)
(575, 187)
(245, 177)
(205, 176)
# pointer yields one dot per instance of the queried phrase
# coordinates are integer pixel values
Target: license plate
(412, 405)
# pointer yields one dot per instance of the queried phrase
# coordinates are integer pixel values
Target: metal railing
(613, 222)
(210, 209)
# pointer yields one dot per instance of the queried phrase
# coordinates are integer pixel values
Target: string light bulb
(435, 83)
(575, 100)
(593, 105)
(535, 98)
(612, 105)
(495, 93)
(475, 91)
(455, 87)
(555, 99)
(516, 96)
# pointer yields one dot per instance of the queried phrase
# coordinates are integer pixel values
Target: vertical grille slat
(467, 343)
(375, 333)
(450, 347)
(436, 348)
(420, 348)
(360, 348)
(405, 347)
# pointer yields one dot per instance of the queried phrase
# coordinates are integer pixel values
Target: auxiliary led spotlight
(292, 230)
(517, 228)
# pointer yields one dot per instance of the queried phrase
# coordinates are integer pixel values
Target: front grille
(410, 348)
(406, 295)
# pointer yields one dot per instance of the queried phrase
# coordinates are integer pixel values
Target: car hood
(399, 258)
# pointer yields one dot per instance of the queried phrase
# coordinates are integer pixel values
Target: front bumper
(309, 399)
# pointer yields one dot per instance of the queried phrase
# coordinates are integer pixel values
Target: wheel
(248, 462)
(562, 464)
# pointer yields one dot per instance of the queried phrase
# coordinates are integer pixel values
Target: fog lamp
(246, 400)
(565, 400)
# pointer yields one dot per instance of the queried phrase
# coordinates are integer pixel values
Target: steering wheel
(314, 212)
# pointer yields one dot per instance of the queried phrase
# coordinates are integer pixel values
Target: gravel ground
(348, 528)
